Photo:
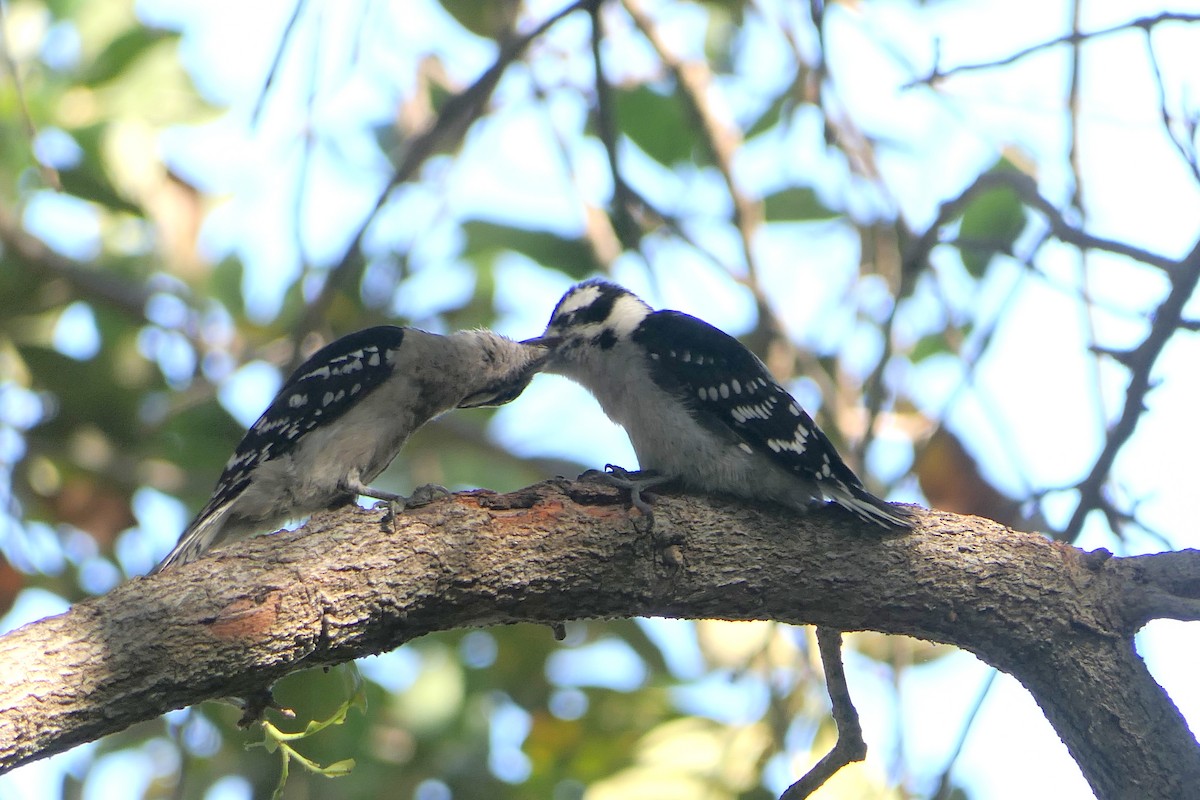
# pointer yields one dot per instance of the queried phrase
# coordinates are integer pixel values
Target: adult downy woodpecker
(698, 406)
(342, 417)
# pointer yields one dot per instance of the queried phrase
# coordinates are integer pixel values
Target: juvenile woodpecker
(342, 417)
(699, 407)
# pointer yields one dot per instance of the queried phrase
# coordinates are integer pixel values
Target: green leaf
(89, 179)
(491, 20)
(313, 726)
(930, 345)
(660, 124)
(773, 114)
(273, 739)
(109, 405)
(63, 9)
(734, 8)
(797, 204)
(991, 223)
(88, 185)
(199, 438)
(337, 769)
(121, 52)
(572, 256)
(225, 284)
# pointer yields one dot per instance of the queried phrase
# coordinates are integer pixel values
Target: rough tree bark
(1058, 619)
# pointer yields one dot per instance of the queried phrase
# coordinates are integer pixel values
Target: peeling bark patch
(504, 502)
(606, 512)
(543, 513)
(247, 617)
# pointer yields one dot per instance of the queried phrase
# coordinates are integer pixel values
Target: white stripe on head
(595, 308)
(627, 313)
(578, 297)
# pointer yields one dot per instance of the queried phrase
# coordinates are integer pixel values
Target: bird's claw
(421, 496)
(637, 483)
(426, 494)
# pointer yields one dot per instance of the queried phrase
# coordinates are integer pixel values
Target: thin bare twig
(694, 80)
(273, 70)
(944, 785)
(873, 387)
(1075, 37)
(1167, 319)
(627, 205)
(850, 746)
(722, 141)
(308, 138)
(918, 250)
(598, 229)
(1076, 202)
(1186, 149)
(445, 133)
(1073, 106)
(633, 213)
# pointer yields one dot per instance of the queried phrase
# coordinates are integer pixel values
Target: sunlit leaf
(115, 59)
(338, 769)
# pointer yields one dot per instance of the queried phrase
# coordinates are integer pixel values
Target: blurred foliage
(991, 224)
(123, 342)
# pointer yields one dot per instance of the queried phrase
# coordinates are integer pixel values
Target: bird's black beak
(543, 341)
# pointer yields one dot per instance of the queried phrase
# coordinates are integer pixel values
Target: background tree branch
(1058, 619)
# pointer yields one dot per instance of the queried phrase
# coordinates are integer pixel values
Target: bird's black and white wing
(327, 385)
(726, 387)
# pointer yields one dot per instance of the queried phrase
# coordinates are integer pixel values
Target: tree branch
(850, 745)
(1058, 619)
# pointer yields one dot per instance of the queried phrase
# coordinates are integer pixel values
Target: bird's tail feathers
(870, 508)
(202, 534)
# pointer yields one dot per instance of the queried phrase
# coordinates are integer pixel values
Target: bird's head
(591, 317)
(506, 368)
